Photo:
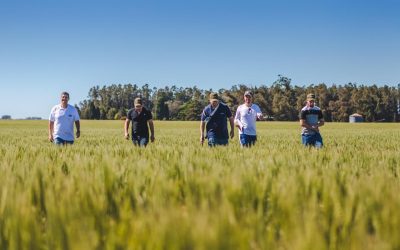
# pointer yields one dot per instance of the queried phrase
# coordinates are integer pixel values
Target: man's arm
(237, 121)
(78, 128)
(232, 123)
(321, 122)
(126, 128)
(51, 130)
(259, 114)
(202, 126)
(151, 125)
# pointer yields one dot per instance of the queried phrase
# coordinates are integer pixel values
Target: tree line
(281, 101)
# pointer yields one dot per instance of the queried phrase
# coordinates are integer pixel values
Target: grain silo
(356, 118)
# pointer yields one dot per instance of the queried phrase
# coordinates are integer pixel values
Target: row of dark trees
(281, 101)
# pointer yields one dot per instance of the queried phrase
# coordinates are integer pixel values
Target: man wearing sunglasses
(245, 119)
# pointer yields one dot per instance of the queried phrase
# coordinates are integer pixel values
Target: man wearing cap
(140, 117)
(213, 119)
(61, 122)
(310, 120)
(245, 119)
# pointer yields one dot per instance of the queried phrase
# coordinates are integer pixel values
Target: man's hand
(315, 128)
(127, 136)
(51, 138)
(201, 140)
(152, 138)
(232, 133)
(78, 134)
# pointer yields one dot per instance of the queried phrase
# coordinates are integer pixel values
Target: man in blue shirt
(213, 119)
(310, 120)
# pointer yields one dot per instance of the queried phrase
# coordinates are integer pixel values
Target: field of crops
(103, 193)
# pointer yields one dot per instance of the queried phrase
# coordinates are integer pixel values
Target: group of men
(213, 120)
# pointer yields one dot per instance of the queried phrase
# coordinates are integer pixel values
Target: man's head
(310, 100)
(138, 103)
(248, 97)
(64, 97)
(214, 99)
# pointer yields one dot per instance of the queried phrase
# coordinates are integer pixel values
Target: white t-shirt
(246, 118)
(64, 119)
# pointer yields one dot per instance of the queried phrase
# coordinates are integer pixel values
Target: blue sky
(50, 46)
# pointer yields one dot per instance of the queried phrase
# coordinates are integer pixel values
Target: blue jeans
(140, 141)
(212, 142)
(59, 141)
(247, 140)
(312, 140)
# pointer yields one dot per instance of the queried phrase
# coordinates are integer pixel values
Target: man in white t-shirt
(61, 122)
(245, 119)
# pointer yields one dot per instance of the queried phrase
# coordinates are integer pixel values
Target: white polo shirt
(246, 118)
(64, 119)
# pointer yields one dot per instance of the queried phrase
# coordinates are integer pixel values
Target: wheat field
(104, 193)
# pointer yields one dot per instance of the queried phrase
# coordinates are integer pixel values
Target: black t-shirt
(139, 122)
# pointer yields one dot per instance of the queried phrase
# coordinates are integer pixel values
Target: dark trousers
(140, 141)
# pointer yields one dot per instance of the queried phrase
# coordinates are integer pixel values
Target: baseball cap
(138, 101)
(214, 96)
(311, 97)
(248, 92)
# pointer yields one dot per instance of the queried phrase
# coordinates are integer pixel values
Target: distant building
(356, 118)
(34, 118)
(6, 117)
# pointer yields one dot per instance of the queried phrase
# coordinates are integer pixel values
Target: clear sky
(50, 46)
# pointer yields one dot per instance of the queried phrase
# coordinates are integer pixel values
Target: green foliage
(104, 193)
(281, 101)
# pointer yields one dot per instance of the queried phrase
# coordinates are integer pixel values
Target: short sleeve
(320, 116)
(257, 109)
(52, 117)
(76, 116)
(129, 115)
(237, 115)
(204, 115)
(150, 115)
(302, 115)
(228, 112)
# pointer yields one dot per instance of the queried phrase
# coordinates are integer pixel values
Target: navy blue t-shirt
(139, 122)
(216, 125)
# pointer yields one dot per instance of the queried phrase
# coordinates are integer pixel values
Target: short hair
(65, 93)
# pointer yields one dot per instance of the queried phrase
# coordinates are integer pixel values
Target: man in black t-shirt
(140, 117)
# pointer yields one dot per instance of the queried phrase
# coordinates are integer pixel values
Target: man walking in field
(310, 120)
(141, 119)
(245, 119)
(213, 119)
(61, 122)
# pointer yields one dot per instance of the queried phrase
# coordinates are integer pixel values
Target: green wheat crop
(104, 193)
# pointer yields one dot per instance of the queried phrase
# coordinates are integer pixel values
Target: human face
(64, 100)
(138, 108)
(214, 103)
(248, 99)
(311, 103)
